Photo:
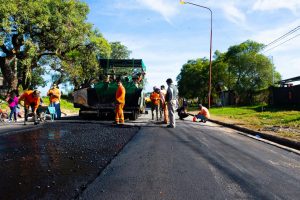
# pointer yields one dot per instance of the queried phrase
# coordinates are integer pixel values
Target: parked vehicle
(100, 98)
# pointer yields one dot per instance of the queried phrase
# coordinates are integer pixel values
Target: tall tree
(193, 78)
(249, 70)
(119, 51)
(81, 65)
(32, 29)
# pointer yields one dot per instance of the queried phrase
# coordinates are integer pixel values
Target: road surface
(197, 161)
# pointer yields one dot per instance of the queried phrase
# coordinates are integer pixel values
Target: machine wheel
(133, 115)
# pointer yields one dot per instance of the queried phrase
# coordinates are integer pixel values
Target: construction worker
(171, 99)
(164, 107)
(203, 114)
(182, 111)
(155, 101)
(31, 99)
(54, 97)
(120, 102)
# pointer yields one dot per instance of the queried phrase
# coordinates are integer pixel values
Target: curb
(289, 145)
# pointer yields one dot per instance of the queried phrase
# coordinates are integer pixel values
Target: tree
(193, 78)
(119, 51)
(242, 69)
(31, 29)
(249, 70)
(81, 65)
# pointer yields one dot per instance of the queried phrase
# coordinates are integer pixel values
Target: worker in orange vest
(54, 97)
(31, 99)
(120, 102)
(155, 101)
(163, 103)
(203, 114)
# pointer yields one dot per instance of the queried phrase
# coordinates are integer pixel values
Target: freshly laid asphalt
(192, 161)
(197, 161)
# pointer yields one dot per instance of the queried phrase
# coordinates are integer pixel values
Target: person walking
(164, 107)
(203, 114)
(171, 99)
(31, 100)
(54, 97)
(120, 102)
(155, 101)
(13, 101)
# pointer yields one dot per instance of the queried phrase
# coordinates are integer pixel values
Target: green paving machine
(100, 98)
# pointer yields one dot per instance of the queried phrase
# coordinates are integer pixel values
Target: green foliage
(241, 69)
(193, 78)
(81, 64)
(119, 51)
(249, 70)
(49, 32)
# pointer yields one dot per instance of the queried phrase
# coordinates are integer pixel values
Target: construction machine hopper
(100, 98)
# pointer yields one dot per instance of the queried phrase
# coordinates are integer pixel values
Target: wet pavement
(57, 160)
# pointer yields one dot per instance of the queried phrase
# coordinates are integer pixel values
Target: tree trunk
(9, 71)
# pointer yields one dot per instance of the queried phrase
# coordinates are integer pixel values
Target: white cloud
(269, 5)
(233, 14)
(166, 8)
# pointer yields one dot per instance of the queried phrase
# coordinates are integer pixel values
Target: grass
(66, 106)
(280, 121)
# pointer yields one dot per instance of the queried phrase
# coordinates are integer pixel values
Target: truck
(99, 98)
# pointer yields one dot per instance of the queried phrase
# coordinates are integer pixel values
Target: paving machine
(100, 97)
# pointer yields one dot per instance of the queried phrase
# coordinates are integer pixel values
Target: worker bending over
(31, 99)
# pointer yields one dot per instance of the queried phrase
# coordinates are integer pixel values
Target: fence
(283, 96)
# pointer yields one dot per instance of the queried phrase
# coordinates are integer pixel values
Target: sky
(166, 34)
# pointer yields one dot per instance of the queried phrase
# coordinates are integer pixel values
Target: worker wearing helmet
(31, 99)
(120, 102)
(155, 101)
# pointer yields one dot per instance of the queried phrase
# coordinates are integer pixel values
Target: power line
(282, 37)
(282, 43)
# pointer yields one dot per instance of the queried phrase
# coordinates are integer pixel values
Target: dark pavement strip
(291, 145)
(198, 161)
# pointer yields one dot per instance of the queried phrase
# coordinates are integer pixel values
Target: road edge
(283, 143)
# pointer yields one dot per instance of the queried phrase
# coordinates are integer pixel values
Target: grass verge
(277, 121)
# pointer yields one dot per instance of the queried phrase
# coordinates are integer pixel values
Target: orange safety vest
(54, 94)
(29, 99)
(155, 98)
(204, 112)
(120, 94)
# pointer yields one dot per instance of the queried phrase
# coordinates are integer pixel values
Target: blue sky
(165, 34)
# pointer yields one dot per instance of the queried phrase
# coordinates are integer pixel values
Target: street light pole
(210, 49)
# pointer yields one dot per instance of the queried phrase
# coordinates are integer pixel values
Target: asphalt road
(197, 161)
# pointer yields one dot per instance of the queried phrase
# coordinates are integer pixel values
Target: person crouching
(203, 114)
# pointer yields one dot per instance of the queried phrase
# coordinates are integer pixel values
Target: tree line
(36, 36)
(242, 69)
